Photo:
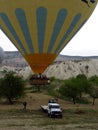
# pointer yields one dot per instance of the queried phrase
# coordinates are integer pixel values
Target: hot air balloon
(40, 29)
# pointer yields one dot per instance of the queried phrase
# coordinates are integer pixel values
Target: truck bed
(44, 108)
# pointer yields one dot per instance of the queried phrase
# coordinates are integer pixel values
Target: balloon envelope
(40, 29)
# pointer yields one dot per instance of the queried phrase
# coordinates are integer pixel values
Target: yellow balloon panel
(41, 28)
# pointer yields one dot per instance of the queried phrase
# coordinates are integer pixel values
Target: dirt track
(29, 121)
(13, 117)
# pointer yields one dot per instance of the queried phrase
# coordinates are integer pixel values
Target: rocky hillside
(64, 67)
(68, 69)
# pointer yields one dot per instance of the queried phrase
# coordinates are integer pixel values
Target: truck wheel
(60, 116)
(50, 116)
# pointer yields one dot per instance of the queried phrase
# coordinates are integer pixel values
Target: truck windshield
(54, 107)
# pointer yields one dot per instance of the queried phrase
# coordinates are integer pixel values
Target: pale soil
(13, 117)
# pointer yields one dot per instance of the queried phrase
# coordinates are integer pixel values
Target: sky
(84, 43)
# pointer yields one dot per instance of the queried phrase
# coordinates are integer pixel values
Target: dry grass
(13, 117)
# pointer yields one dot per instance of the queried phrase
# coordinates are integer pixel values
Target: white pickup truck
(53, 109)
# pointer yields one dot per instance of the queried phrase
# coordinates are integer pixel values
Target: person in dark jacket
(25, 105)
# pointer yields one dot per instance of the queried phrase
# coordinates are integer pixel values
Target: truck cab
(54, 110)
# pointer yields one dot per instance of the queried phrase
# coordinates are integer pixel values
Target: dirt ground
(13, 117)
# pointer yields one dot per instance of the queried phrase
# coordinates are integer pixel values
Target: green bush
(12, 86)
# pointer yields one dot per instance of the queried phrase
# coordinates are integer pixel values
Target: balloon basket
(39, 80)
